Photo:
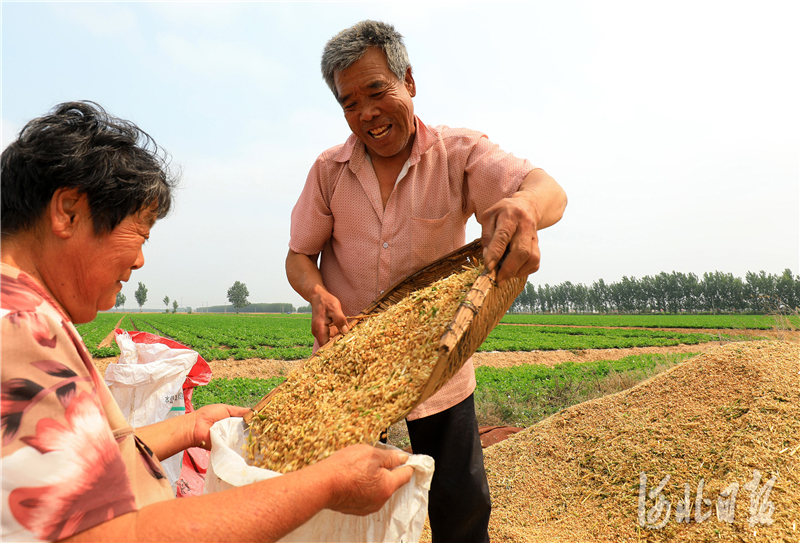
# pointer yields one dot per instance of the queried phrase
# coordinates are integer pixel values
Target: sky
(673, 127)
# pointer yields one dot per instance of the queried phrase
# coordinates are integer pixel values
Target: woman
(80, 192)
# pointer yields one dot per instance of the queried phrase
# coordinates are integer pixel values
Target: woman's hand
(176, 434)
(206, 416)
(365, 477)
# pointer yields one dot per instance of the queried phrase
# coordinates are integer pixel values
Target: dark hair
(78, 145)
(350, 44)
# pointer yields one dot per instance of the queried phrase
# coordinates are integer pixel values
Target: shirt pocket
(434, 238)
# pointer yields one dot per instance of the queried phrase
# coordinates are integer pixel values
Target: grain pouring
(360, 384)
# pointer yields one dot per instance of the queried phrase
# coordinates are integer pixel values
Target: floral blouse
(69, 459)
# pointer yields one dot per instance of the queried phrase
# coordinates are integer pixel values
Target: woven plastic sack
(399, 520)
(150, 384)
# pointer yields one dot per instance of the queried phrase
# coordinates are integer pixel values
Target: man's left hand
(512, 225)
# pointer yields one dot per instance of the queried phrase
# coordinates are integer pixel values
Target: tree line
(674, 292)
(237, 296)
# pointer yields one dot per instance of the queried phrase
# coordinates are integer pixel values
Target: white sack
(400, 519)
(147, 383)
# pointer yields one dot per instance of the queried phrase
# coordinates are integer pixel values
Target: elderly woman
(81, 191)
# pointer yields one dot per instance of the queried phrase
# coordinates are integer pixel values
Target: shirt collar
(354, 148)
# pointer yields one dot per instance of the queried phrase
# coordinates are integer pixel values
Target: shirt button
(385, 245)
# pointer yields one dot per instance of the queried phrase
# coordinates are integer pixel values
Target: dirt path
(110, 337)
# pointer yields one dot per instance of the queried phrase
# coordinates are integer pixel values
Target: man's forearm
(547, 197)
(303, 274)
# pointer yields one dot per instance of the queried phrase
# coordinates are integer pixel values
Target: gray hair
(350, 44)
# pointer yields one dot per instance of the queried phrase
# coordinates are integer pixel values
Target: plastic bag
(400, 519)
(195, 459)
(152, 382)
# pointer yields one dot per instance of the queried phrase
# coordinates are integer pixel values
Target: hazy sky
(673, 127)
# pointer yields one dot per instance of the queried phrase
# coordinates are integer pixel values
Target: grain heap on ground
(352, 390)
(715, 418)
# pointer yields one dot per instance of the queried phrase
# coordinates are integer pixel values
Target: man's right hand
(327, 318)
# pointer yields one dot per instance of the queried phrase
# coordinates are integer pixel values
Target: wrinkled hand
(206, 416)
(511, 223)
(365, 477)
(327, 318)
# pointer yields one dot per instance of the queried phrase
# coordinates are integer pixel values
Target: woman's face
(101, 264)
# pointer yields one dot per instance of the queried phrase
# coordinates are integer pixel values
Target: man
(393, 198)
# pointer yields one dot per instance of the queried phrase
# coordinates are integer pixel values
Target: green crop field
(733, 322)
(96, 331)
(237, 391)
(525, 394)
(551, 338)
(288, 337)
(284, 337)
(519, 396)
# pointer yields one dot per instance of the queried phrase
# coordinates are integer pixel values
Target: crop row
(733, 322)
(96, 331)
(234, 336)
(289, 338)
(551, 338)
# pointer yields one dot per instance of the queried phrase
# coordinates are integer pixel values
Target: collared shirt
(452, 174)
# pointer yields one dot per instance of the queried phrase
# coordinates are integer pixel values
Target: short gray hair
(350, 44)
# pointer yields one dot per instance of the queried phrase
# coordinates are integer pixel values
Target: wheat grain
(349, 392)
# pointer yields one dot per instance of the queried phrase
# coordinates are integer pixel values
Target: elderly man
(390, 200)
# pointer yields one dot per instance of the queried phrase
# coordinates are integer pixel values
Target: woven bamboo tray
(482, 308)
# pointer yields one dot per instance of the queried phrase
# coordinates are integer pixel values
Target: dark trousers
(458, 503)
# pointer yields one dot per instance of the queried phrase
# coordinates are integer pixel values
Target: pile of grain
(717, 418)
(358, 386)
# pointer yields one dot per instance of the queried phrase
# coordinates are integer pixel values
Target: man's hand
(365, 478)
(327, 318)
(512, 225)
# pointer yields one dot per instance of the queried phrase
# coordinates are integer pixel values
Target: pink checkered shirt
(452, 174)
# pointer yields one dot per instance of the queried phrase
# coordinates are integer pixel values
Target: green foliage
(175, 306)
(141, 295)
(274, 307)
(96, 331)
(215, 337)
(741, 322)
(523, 395)
(237, 295)
(550, 338)
(518, 396)
(288, 337)
(120, 300)
(237, 391)
(674, 292)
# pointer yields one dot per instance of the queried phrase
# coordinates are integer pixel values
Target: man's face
(377, 105)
